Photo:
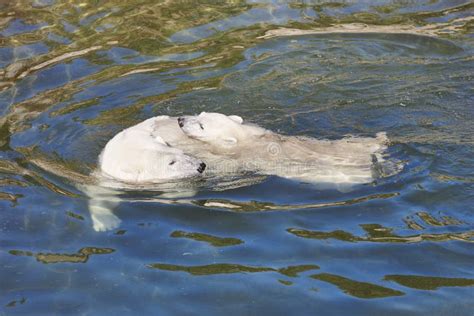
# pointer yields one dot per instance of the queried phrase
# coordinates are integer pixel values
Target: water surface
(73, 73)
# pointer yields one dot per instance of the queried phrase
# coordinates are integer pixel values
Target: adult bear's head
(135, 156)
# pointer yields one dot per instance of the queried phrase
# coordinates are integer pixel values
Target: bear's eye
(172, 162)
(201, 126)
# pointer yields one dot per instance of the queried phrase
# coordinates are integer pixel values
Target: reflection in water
(428, 283)
(379, 233)
(74, 215)
(165, 193)
(80, 257)
(12, 182)
(256, 206)
(226, 268)
(285, 282)
(213, 240)
(293, 271)
(218, 268)
(429, 220)
(16, 302)
(149, 37)
(104, 219)
(30, 176)
(357, 289)
(360, 28)
(74, 72)
(59, 59)
(381, 237)
(10, 197)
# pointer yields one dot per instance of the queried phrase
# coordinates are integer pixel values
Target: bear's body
(166, 149)
(227, 145)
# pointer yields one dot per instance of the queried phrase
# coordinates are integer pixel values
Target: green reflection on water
(213, 240)
(227, 268)
(293, 271)
(74, 215)
(357, 289)
(10, 197)
(16, 302)
(428, 283)
(219, 268)
(258, 206)
(285, 282)
(75, 106)
(142, 26)
(82, 256)
(145, 26)
(336, 234)
(382, 236)
(386, 14)
(379, 233)
(12, 182)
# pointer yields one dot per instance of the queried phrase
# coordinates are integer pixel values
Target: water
(75, 73)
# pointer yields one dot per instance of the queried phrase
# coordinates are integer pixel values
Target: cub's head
(213, 128)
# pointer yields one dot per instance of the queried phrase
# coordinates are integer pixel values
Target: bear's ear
(236, 119)
(229, 141)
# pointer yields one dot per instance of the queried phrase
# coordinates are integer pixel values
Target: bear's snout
(202, 167)
(181, 123)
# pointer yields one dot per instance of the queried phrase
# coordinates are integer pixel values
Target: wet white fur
(136, 155)
(227, 145)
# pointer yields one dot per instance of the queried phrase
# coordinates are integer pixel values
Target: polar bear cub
(136, 155)
(350, 160)
(218, 129)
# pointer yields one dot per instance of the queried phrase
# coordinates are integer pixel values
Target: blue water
(75, 74)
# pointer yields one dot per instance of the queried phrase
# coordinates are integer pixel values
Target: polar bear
(164, 148)
(219, 130)
(347, 161)
(137, 155)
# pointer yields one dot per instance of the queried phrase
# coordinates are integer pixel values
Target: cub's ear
(229, 141)
(236, 119)
(202, 113)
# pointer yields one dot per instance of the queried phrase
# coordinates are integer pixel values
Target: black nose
(181, 123)
(202, 167)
